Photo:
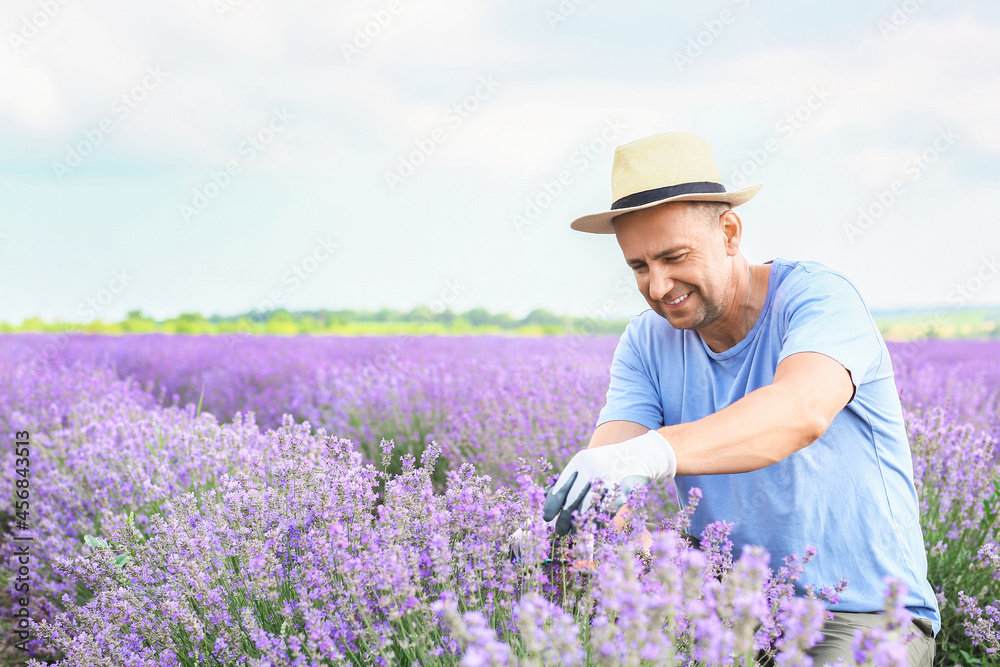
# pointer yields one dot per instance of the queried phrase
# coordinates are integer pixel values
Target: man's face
(682, 264)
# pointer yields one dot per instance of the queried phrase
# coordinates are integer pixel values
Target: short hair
(711, 211)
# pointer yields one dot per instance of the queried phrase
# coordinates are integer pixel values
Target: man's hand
(630, 464)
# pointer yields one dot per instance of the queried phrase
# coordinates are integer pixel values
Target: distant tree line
(909, 325)
(341, 322)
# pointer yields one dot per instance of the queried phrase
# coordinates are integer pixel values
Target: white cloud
(27, 94)
(555, 91)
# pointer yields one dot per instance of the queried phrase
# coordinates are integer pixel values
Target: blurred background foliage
(895, 325)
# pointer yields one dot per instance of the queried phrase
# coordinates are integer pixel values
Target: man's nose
(660, 283)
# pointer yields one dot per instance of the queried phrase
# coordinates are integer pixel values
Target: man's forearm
(762, 428)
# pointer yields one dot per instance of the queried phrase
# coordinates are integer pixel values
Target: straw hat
(673, 166)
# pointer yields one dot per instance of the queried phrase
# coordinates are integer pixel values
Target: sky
(225, 156)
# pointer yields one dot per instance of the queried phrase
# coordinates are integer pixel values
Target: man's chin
(675, 320)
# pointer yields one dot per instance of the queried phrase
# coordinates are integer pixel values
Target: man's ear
(732, 229)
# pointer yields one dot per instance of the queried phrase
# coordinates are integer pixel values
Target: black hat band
(656, 194)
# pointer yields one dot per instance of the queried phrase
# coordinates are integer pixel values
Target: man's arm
(762, 428)
(768, 424)
(612, 432)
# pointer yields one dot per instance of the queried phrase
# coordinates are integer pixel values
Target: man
(767, 386)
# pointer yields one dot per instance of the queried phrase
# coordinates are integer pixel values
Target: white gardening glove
(630, 464)
(514, 544)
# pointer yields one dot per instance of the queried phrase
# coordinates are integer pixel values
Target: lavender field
(329, 501)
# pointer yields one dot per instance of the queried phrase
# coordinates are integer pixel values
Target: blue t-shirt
(850, 494)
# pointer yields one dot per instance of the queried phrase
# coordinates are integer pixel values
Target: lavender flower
(340, 501)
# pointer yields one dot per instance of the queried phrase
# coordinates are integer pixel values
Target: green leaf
(969, 660)
(122, 559)
(95, 542)
(199, 401)
(159, 439)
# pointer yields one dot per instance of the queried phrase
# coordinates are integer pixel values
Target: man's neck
(739, 319)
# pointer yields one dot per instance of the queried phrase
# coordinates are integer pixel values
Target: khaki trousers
(839, 633)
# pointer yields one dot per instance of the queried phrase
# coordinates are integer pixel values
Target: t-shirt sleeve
(632, 394)
(824, 313)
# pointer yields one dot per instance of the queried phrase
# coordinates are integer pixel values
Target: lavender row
(503, 397)
(228, 519)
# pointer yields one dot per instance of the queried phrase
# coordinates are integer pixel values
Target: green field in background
(897, 326)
